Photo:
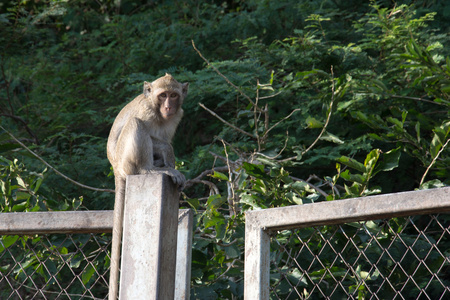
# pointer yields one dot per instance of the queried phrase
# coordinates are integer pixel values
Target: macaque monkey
(140, 143)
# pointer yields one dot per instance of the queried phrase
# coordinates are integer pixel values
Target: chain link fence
(54, 266)
(392, 246)
(396, 258)
(66, 255)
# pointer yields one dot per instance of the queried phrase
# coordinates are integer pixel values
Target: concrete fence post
(184, 254)
(149, 241)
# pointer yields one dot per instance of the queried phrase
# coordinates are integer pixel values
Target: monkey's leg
(163, 150)
(165, 161)
(116, 238)
(134, 150)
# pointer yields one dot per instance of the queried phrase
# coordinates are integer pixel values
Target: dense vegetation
(318, 100)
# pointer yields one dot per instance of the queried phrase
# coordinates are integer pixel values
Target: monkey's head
(166, 95)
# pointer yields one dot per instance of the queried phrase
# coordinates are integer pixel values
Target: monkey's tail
(116, 238)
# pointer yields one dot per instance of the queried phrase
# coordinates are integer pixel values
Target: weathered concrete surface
(56, 222)
(149, 241)
(184, 255)
(356, 209)
(257, 254)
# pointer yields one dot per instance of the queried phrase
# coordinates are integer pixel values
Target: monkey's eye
(163, 95)
(173, 95)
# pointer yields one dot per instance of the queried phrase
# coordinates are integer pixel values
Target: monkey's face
(169, 103)
(166, 95)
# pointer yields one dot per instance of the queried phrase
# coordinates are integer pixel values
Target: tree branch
(324, 127)
(415, 98)
(434, 160)
(285, 118)
(211, 185)
(223, 76)
(223, 121)
(19, 119)
(55, 170)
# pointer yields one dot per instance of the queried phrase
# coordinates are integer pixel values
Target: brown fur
(140, 129)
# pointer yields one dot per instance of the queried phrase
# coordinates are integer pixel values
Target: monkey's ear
(147, 89)
(185, 88)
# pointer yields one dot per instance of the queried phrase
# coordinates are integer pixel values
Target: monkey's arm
(164, 160)
(163, 155)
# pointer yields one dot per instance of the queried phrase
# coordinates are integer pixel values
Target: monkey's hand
(178, 178)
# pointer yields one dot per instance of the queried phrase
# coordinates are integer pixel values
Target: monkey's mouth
(167, 115)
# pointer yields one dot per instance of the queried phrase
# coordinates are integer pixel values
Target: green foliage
(20, 190)
(332, 100)
(368, 169)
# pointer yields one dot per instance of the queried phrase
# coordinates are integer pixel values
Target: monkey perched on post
(139, 143)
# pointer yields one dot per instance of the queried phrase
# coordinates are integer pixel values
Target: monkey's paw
(178, 179)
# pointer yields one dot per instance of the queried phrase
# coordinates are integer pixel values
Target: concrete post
(257, 260)
(149, 241)
(184, 255)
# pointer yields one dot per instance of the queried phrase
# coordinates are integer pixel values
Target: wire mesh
(398, 258)
(54, 266)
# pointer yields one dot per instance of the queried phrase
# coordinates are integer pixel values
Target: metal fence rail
(379, 247)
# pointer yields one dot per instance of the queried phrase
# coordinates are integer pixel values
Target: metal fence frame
(73, 222)
(260, 223)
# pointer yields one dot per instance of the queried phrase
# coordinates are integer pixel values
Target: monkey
(140, 143)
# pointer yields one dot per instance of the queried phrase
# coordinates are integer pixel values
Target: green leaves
(255, 170)
(19, 187)
(375, 162)
(441, 134)
(66, 77)
(219, 176)
(213, 218)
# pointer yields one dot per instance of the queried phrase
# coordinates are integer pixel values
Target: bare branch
(326, 122)
(279, 153)
(285, 118)
(228, 269)
(256, 117)
(229, 244)
(55, 170)
(270, 96)
(434, 160)
(223, 121)
(211, 171)
(223, 76)
(222, 158)
(329, 115)
(330, 184)
(416, 99)
(19, 119)
(230, 183)
(211, 185)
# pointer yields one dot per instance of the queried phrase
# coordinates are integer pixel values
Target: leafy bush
(318, 101)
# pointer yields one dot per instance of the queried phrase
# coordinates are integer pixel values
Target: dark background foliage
(367, 85)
